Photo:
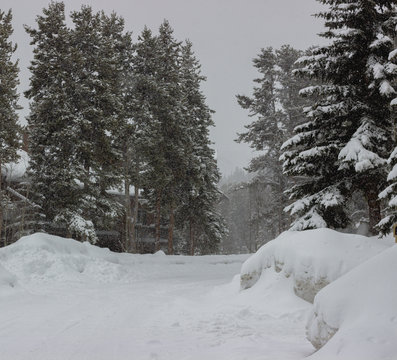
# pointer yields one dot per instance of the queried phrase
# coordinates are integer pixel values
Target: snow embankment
(7, 280)
(355, 317)
(312, 258)
(44, 257)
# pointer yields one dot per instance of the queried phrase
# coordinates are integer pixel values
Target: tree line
(107, 113)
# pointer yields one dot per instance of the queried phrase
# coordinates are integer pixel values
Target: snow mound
(7, 280)
(355, 317)
(312, 258)
(45, 257)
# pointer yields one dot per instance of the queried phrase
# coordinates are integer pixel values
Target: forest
(117, 138)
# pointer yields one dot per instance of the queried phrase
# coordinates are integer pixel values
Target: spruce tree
(344, 145)
(9, 127)
(165, 160)
(198, 190)
(97, 41)
(276, 109)
(51, 123)
(142, 101)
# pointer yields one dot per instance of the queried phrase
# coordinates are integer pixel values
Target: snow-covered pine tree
(145, 125)
(199, 193)
(276, 110)
(98, 100)
(51, 123)
(264, 134)
(343, 146)
(388, 71)
(165, 163)
(118, 47)
(9, 127)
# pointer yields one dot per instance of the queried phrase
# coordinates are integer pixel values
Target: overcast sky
(226, 36)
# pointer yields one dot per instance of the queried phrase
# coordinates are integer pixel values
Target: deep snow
(360, 311)
(61, 299)
(352, 281)
(313, 258)
(76, 301)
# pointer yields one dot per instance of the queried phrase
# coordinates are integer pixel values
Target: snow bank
(7, 280)
(355, 317)
(45, 257)
(313, 258)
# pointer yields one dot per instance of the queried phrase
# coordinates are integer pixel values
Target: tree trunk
(191, 236)
(171, 232)
(373, 210)
(158, 219)
(1, 206)
(135, 219)
(127, 245)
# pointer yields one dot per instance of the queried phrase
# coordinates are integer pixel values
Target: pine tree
(145, 125)
(165, 160)
(9, 127)
(277, 110)
(78, 107)
(343, 146)
(119, 48)
(198, 190)
(97, 41)
(51, 122)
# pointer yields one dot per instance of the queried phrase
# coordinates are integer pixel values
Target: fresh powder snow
(62, 299)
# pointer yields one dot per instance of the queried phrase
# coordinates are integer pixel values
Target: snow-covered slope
(312, 258)
(355, 317)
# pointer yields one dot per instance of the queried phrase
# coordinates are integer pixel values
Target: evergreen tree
(165, 160)
(78, 107)
(145, 125)
(9, 127)
(343, 146)
(51, 122)
(389, 194)
(198, 190)
(98, 101)
(277, 109)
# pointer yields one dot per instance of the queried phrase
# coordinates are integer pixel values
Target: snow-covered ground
(350, 278)
(61, 299)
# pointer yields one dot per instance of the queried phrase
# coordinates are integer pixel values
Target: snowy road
(164, 308)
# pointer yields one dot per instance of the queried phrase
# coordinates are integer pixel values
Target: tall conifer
(9, 127)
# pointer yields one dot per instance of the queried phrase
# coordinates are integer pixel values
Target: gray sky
(226, 36)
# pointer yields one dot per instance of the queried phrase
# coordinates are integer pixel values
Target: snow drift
(7, 280)
(47, 258)
(355, 317)
(43, 257)
(313, 258)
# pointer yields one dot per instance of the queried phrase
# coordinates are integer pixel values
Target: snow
(355, 152)
(385, 88)
(355, 317)
(83, 302)
(8, 281)
(62, 299)
(312, 258)
(392, 54)
(15, 171)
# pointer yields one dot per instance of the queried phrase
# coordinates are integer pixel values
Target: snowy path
(175, 308)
